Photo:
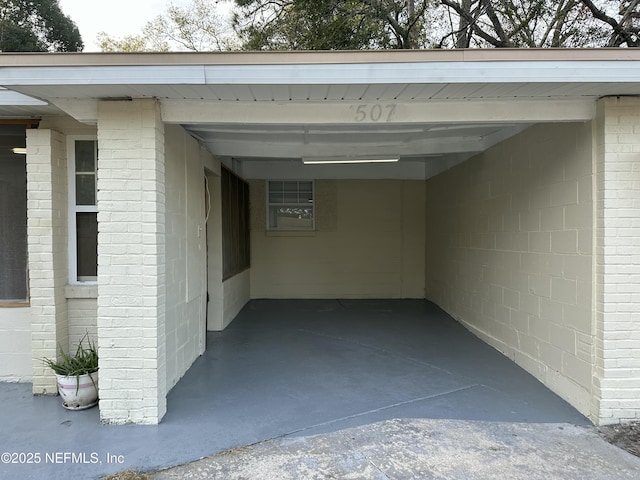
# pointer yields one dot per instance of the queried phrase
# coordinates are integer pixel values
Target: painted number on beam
(376, 112)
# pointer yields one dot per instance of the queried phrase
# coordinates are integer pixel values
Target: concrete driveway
(404, 449)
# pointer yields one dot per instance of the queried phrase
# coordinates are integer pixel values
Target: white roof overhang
(431, 108)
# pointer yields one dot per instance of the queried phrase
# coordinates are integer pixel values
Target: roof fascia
(579, 71)
(316, 57)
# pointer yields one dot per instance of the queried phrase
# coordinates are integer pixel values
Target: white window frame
(74, 209)
(313, 204)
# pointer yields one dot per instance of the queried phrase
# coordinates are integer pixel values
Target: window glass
(85, 189)
(85, 159)
(87, 245)
(13, 227)
(83, 225)
(85, 156)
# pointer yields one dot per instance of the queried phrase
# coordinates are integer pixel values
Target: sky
(115, 17)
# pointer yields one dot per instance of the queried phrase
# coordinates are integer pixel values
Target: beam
(384, 112)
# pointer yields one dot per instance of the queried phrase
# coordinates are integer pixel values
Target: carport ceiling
(411, 142)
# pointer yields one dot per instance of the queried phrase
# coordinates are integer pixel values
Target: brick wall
(131, 262)
(617, 372)
(15, 345)
(47, 244)
(509, 252)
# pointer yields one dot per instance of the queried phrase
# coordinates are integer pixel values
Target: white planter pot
(79, 392)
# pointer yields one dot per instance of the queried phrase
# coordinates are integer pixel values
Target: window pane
(13, 228)
(87, 245)
(85, 189)
(290, 218)
(290, 205)
(85, 156)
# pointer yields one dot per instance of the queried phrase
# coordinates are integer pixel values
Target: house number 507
(375, 113)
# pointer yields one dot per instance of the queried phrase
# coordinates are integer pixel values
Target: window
(290, 205)
(235, 224)
(83, 220)
(13, 217)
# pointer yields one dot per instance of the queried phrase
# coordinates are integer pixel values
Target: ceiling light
(19, 150)
(336, 160)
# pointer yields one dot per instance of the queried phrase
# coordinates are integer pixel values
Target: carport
(487, 182)
(291, 368)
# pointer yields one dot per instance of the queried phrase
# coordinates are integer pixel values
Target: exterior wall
(617, 367)
(82, 313)
(236, 294)
(47, 244)
(509, 252)
(186, 253)
(215, 307)
(368, 243)
(131, 262)
(81, 299)
(15, 344)
(226, 298)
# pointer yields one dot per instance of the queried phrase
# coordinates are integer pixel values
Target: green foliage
(37, 26)
(129, 43)
(383, 24)
(83, 362)
(330, 24)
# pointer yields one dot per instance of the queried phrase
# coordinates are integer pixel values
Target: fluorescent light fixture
(338, 160)
(19, 150)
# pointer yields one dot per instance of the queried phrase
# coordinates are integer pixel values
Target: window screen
(13, 226)
(235, 224)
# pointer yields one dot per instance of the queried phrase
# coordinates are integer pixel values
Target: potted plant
(77, 376)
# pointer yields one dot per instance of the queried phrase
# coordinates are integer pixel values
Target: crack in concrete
(380, 409)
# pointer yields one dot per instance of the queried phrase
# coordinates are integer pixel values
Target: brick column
(616, 382)
(47, 244)
(131, 269)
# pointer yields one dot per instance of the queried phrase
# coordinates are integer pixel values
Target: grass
(128, 475)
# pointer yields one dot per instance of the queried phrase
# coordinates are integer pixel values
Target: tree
(37, 26)
(520, 23)
(349, 24)
(330, 24)
(128, 43)
(625, 25)
(197, 27)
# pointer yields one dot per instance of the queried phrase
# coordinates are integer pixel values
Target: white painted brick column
(131, 262)
(616, 385)
(47, 244)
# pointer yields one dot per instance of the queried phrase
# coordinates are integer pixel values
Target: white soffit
(8, 97)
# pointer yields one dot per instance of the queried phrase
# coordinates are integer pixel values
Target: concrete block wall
(131, 262)
(186, 252)
(617, 363)
(368, 243)
(509, 252)
(236, 294)
(47, 246)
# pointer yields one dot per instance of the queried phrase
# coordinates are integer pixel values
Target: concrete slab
(290, 368)
(425, 449)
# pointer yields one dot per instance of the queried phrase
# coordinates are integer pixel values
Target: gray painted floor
(291, 368)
